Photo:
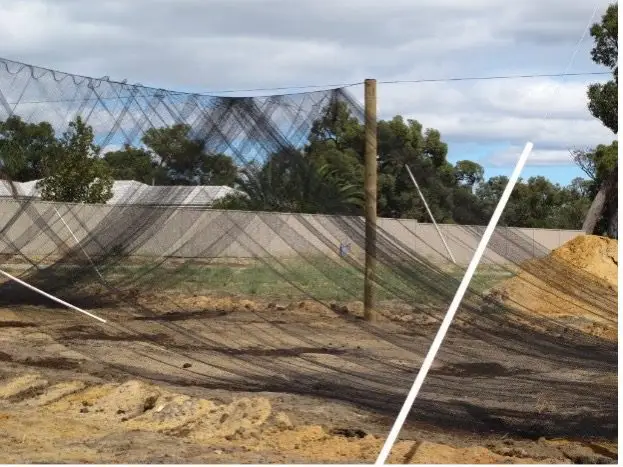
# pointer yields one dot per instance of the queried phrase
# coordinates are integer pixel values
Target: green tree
(75, 173)
(574, 201)
(183, 160)
(23, 146)
(469, 173)
(537, 202)
(218, 169)
(597, 164)
(602, 216)
(600, 165)
(289, 181)
(132, 163)
(603, 98)
(403, 143)
(337, 142)
(338, 128)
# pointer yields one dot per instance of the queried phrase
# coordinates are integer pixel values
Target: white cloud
(538, 157)
(553, 115)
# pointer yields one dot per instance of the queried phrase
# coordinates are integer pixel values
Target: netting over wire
(167, 238)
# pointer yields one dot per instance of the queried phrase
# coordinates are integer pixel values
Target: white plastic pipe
(417, 187)
(78, 243)
(51, 297)
(458, 297)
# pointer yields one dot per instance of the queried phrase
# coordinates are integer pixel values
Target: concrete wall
(35, 229)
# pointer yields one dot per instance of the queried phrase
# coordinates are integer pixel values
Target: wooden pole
(370, 185)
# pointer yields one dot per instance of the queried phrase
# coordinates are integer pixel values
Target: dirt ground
(179, 378)
(225, 380)
(74, 421)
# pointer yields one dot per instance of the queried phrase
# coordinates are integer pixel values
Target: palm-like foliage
(291, 182)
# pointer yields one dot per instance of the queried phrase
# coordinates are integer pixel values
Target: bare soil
(576, 285)
(199, 379)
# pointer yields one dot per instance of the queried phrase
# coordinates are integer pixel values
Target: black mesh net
(234, 240)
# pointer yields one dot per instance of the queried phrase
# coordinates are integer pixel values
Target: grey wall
(35, 229)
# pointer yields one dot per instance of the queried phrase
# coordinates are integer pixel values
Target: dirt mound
(202, 420)
(594, 255)
(179, 301)
(576, 285)
(142, 406)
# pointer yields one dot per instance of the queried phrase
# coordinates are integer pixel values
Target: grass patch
(323, 278)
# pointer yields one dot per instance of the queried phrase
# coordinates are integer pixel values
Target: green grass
(321, 277)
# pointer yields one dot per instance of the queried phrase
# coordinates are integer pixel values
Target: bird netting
(153, 207)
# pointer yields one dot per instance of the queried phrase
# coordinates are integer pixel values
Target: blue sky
(557, 173)
(241, 44)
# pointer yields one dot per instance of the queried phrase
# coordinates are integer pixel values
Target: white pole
(78, 243)
(458, 297)
(417, 187)
(51, 297)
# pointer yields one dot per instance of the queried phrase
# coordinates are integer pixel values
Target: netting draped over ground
(147, 252)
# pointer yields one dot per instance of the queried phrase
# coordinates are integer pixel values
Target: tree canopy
(323, 176)
(601, 163)
(23, 146)
(603, 98)
(181, 159)
(75, 172)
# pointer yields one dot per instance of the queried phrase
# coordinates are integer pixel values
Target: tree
(324, 176)
(289, 181)
(337, 140)
(75, 173)
(23, 146)
(573, 204)
(469, 173)
(132, 164)
(598, 163)
(603, 98)
(218, 169)
(403, 143)
(183, 160)
(603, 104)
(338, 128)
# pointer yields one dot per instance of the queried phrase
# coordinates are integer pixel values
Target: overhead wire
(301, 88)
(424, 80)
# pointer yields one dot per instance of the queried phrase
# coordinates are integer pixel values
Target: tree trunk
(605, 197)
(613, 215)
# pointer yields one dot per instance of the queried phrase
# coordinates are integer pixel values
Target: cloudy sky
(214, 45)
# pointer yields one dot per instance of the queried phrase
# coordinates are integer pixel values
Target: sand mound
(202, 420)
(141, 406)
(594, 255)
(576, 285)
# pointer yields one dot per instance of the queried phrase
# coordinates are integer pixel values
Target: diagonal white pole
(458, 297)
(51, 297)
(417, 187)
(78, 243)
